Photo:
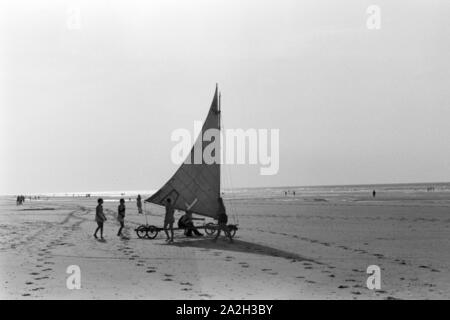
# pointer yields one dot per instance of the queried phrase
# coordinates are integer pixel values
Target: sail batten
(196, 186)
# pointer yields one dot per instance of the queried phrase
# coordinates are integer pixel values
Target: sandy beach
(301, 247)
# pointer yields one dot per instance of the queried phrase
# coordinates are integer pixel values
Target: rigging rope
(228, 176)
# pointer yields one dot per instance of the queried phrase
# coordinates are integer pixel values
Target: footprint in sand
(342, 287)
(26, 294)
(150, 271)
(28, 283)
(34, 273)
(36, 289)
(48, 269)
(205, 295)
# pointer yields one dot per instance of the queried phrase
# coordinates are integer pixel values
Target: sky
(90, 91)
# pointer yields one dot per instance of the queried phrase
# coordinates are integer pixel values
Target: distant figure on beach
(121, 216)
(99, 218)
(374, 193)
(18, 203)
(139, 203)
(186, 221)
(285, 193)
(222, 221)
(169, 219)
(293, 192)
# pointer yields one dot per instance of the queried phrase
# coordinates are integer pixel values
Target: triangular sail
(196, 186)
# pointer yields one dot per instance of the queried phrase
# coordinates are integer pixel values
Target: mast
(220, 145)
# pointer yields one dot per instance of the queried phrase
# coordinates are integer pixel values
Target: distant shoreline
(128, 193)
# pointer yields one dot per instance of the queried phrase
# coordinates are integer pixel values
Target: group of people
(186, 221)
(20, 200)
(287, 192)
(100, 217)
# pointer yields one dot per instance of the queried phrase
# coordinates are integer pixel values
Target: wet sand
(285, 248)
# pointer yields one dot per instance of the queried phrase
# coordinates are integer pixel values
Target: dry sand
(286, 248)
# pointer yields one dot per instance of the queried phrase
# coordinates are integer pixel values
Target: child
(100, 218)
(121, 216)
(222, 222)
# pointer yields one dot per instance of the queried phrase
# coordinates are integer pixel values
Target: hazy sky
(93, 108)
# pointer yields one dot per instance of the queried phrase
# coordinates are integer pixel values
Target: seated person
(186, 221)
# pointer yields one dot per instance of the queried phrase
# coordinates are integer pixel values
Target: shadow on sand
(240, 246)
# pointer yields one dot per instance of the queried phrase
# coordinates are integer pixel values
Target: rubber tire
(210, 229)
(152, 232)
(141, 231)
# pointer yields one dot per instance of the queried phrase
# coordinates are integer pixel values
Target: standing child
(222, 222)
(121, 216)
(100, 218)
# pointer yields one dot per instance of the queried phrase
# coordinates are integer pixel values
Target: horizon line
(248, 187)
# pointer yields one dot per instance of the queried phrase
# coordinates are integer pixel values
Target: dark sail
(196, 186)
